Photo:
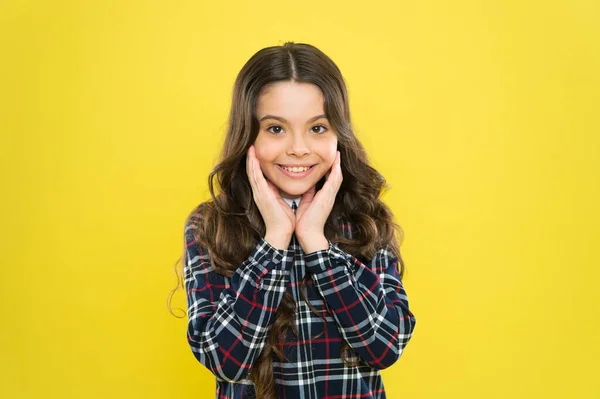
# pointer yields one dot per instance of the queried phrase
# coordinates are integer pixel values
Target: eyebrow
(281, 119)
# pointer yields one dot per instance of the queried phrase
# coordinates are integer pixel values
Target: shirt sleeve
(368, 302)
(229, 317)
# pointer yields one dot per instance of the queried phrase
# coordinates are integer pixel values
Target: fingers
(334, 176)
(260, 185)
(308, 196)
(339, 169)
(274, 189)
(250, 170)
(259, 178)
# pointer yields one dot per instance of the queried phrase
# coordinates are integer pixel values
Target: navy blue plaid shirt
(364, 304)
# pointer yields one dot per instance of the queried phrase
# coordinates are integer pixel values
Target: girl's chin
(294, 190)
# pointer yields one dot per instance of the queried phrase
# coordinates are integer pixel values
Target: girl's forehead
(290, 101)
(293, 90)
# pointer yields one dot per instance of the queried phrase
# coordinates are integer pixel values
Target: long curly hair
(230, 225)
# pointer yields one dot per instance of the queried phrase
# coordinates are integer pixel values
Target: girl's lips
(295, 175)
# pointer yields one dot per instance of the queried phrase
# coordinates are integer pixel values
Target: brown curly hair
(230, 225)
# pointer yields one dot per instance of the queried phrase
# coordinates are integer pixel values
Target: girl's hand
(279, 218)
(314, 210)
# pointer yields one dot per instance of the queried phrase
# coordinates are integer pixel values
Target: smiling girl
(292, 271)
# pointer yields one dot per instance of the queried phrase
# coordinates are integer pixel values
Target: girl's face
(294, 132)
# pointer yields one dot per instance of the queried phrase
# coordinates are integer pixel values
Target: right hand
(278, 216)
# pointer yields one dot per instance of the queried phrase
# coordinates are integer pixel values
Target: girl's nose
(298, 146)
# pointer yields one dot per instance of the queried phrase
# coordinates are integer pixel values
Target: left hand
(314, 209)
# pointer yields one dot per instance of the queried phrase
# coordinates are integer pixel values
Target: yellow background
(482, 115)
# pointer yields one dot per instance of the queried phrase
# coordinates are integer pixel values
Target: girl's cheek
(331, 159)
(333, 152)
(260, 156)
(262, 151)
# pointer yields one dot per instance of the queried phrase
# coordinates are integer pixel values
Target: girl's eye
(319, 126)
(278, 129)
(275, 127)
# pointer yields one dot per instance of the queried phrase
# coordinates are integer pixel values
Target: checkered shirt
(362, 303)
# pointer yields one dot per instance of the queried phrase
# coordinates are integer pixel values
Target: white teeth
(296, 170)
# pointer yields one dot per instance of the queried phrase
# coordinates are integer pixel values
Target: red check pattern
(362, 303)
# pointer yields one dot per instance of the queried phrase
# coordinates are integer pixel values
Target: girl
(293, 272)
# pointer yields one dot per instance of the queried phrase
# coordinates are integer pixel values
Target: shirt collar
(290, 200)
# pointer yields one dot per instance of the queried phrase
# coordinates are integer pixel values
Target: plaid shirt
(364, 304)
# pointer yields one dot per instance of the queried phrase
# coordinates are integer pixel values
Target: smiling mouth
(301, 169)
(299, 174)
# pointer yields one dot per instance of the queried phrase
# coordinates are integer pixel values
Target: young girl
(293, 272)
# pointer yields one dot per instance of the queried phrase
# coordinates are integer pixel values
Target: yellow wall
(483, 116)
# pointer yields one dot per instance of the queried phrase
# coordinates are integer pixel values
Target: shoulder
(196, 219)
(199, 213)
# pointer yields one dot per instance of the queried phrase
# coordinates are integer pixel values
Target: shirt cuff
(264, 254)
(324, 259)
